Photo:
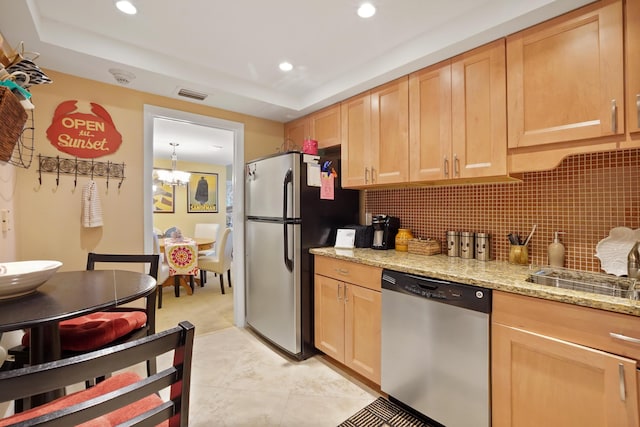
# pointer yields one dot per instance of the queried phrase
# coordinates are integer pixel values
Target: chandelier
(173, 176)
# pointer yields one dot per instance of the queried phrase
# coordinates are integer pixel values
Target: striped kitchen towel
(91, 209)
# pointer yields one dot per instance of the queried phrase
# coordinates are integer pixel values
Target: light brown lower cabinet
(347, 315)
(545, 372)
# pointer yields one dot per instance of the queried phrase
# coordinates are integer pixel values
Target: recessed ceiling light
(366, 10)
(286, 66)
(125, 6)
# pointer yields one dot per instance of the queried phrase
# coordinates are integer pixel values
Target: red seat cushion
(96, 330)
(111, 419)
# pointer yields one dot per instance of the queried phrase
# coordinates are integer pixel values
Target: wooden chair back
(151, 259)
(47, 377)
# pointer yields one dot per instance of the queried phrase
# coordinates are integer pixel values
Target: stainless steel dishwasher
(435, 348)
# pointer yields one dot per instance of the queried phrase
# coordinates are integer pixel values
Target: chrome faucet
(633, 261)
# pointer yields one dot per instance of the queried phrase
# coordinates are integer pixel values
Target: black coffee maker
(385, 229)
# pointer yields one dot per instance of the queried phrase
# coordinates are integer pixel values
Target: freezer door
(271, 181)
(273, 290)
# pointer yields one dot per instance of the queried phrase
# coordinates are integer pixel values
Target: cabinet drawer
(581, 325)
(346, 271)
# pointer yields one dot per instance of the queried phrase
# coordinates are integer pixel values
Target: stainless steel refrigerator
(285, 217)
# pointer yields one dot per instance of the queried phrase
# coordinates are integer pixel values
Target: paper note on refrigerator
(327, 187)
(313, 175)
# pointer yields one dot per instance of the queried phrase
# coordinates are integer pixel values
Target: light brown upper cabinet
(390, 132)
(296, 131)
(375, 136)
(565, 78)
(458, 117)
(356, 139)
(430, 123)
(325, 126)
(633, 65)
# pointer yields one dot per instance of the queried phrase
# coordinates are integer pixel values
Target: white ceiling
(230, 50)
(201, 144)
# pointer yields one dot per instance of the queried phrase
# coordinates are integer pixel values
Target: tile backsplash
(585, 197)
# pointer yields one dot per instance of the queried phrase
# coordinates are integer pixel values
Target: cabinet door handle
(346, 296)
(339, 286)
(623, 391)
(342, 271)
(373, 175)
(638, 108)
(446, 167)
(456, 165)
(614, 116)
(624, 338)
(366, 175)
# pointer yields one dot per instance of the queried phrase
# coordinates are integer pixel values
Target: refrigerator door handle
(288, 179)
(288, 262)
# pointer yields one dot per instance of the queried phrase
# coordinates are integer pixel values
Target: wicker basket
(13, 119)
(425, 246)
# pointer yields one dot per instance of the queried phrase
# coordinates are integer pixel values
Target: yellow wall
(7, 195)
(47, 218)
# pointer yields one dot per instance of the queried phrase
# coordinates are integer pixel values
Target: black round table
(67, 295)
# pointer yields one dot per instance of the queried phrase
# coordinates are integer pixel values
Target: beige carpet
(207, 308)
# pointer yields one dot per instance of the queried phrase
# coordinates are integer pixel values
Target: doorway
(152, 112)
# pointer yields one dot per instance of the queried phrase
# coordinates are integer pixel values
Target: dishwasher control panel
(452, 293)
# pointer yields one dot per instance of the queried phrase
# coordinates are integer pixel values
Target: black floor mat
(383, 413)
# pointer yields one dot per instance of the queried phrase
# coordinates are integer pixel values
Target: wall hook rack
(78, 167)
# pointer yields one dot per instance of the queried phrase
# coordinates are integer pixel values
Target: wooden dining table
(64, 296)
(203, 243)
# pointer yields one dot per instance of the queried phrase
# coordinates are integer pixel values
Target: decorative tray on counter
(424, 246)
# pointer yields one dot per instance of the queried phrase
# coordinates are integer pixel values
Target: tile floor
(238, 380)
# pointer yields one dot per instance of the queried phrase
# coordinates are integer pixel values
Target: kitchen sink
(598, 283)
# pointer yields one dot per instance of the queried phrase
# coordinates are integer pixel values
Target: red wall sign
(83, 135)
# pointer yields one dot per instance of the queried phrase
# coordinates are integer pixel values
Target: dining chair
(104, 328)
(182, 257)
(164, 278)
(124, 399)
(220, 262)
(209, 231)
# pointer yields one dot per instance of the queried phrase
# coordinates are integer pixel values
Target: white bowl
(23, 277)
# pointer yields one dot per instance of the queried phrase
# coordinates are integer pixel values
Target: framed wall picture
(164, 196)
(202, 193)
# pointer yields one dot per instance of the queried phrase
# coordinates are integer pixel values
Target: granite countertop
(499, 275)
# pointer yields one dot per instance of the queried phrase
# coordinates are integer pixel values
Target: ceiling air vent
(192, 94)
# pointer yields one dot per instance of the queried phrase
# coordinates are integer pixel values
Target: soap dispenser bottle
(556, 251)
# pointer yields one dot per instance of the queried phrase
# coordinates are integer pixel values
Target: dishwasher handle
(461, 295)
(424, 280)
